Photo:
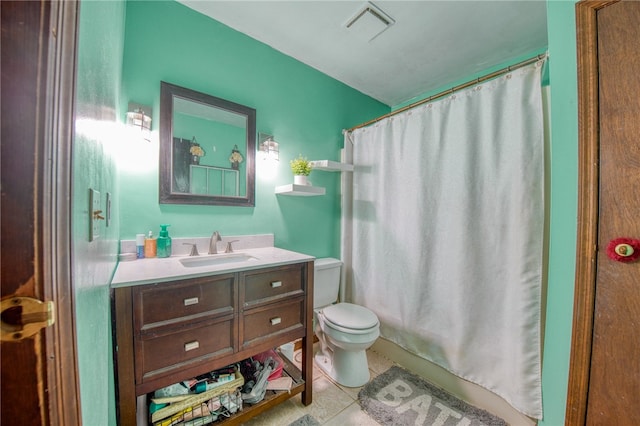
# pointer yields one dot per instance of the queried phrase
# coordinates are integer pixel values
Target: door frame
(588, 195)
(61, 347)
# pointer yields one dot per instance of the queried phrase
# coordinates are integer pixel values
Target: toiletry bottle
(140, 246)
(150, 246)
(164, 242)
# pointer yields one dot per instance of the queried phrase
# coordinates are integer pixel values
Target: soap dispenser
(164, 242)
(150, 246)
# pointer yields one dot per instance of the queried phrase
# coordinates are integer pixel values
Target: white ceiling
(432, 44)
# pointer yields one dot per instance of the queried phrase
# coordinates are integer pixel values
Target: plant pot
(300, 180)
(195, 159)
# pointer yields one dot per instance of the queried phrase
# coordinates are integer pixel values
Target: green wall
(564, 196)
(304, 109)
(100, 47)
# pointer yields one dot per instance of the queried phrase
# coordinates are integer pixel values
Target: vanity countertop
(156, 270)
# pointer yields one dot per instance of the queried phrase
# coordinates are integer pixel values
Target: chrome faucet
(213, 243)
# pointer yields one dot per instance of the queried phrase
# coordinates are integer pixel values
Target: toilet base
(349, 369)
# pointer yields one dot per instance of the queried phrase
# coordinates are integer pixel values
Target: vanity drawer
(166, 353)
(160, 305)
(267, 322)
(273, 284)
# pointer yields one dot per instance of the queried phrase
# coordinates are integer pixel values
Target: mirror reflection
(207, 149)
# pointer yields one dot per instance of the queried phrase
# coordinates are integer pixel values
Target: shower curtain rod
(452, 90)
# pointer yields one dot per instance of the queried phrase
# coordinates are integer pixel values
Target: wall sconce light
(139, 117)
(268, 147)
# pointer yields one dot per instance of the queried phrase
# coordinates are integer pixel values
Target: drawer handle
(275, 321)
(191, 346)
(191, 301)
(276, 284)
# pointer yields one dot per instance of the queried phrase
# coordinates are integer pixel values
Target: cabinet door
(187, 301)
(272, 285)
(172, 350)
(183, 324)
(278, 323)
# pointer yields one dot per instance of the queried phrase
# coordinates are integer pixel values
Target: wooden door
(39, 379)
(614, 385)
(604, 385)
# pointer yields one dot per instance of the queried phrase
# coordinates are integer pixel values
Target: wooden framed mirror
(207, 149)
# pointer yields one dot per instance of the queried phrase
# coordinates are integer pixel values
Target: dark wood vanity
(168, 332)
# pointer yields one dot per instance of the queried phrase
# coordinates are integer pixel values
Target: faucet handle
(230, 247)
(194, 249)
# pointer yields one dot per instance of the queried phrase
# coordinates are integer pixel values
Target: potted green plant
(301, 168)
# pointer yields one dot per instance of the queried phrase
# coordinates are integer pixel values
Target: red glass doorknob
(624, 249)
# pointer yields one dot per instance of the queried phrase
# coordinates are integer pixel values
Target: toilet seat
(350, 318)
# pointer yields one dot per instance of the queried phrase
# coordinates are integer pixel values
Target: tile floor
(333, 404)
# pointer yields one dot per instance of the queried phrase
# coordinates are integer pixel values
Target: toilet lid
(351, 316)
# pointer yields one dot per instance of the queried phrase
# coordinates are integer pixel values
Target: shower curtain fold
(446, 221)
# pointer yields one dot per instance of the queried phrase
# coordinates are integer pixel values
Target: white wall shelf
(331, 166)
(308, 190)
(299, 190)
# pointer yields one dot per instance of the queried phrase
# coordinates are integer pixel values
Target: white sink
(216, 259)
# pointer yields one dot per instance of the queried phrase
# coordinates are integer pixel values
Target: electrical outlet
(95, 214)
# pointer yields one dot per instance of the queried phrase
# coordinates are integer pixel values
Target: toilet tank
(326, 281)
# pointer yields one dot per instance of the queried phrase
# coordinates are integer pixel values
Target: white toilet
(345, 330)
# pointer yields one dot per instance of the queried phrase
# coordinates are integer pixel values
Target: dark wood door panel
(39, 383)
(614, 381)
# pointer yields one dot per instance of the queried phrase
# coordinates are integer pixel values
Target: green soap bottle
(164, 242)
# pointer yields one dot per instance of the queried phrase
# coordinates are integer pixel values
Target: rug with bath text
(400, 398)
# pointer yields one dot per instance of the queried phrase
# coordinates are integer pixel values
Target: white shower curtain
(447, 229)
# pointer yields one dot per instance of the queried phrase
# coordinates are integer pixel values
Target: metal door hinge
(22, 317)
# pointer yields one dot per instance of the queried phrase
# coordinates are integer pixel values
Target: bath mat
(306, 420)
(400, 398)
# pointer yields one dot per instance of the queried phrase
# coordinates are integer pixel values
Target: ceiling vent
(369, 22)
